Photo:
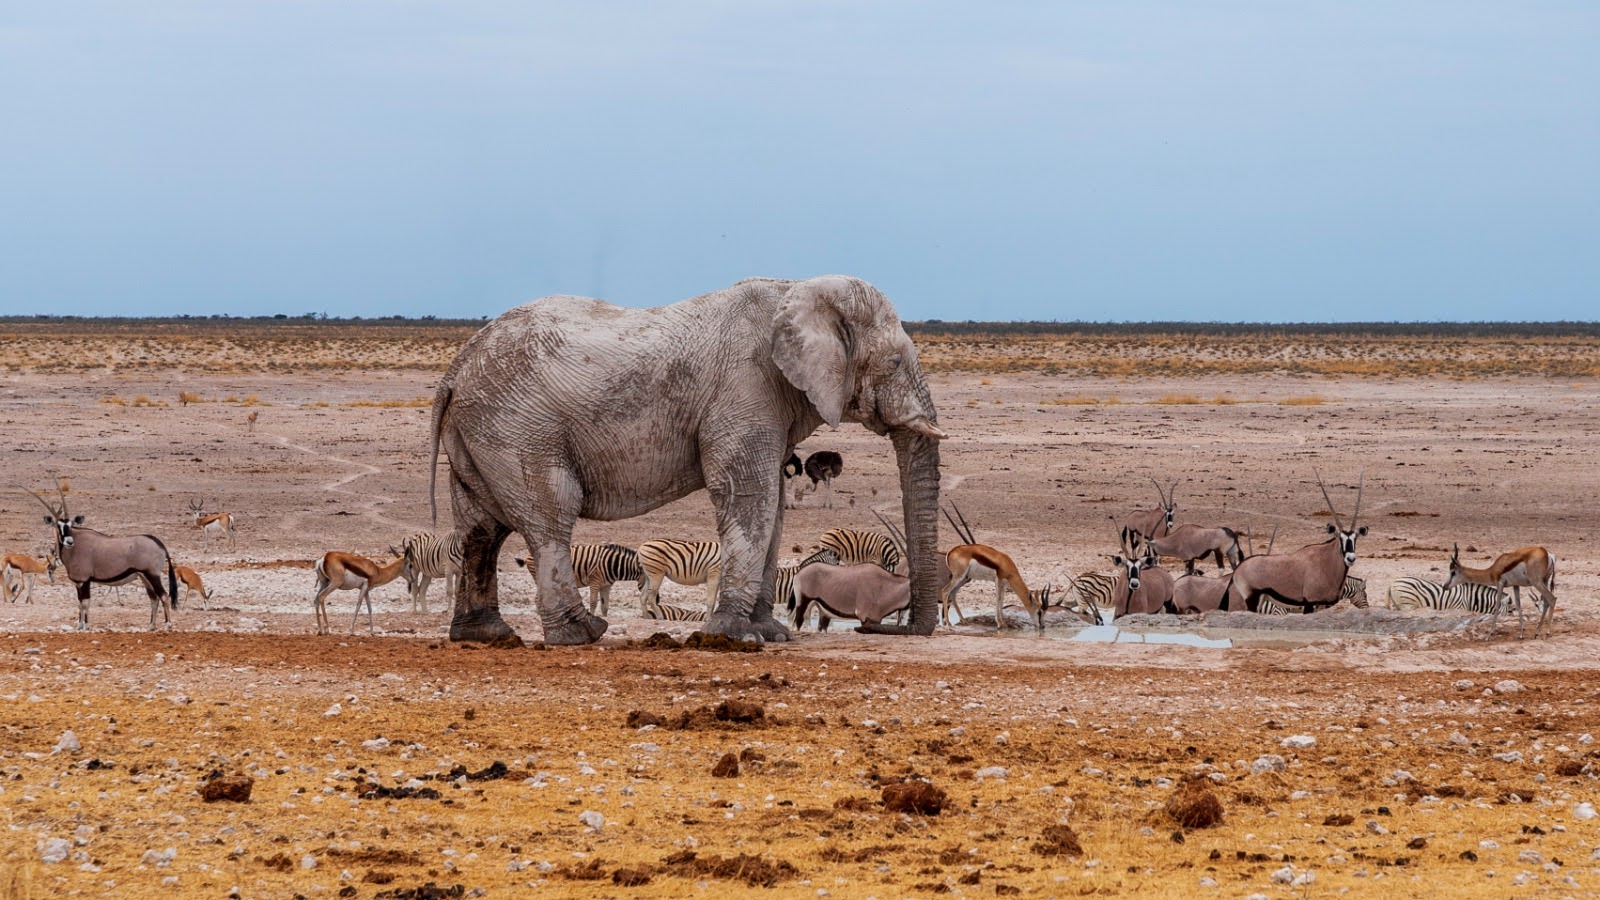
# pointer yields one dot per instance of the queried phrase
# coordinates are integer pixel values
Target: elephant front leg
(747, 491)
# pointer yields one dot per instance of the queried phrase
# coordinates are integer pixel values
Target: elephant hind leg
(477, 599)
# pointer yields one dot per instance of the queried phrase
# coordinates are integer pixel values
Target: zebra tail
(172, 582)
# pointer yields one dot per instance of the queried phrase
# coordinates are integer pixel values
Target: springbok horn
(1361, 484)
(1329, 501)
(972, 537)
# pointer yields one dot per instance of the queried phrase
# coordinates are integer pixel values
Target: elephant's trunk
(918, 457)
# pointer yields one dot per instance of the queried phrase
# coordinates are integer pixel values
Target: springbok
(1311, 576)
(973, 561)
(1149, 524)
(18, 570)
(1530, 567)
(191, 582)
(91, 557)
(1190, 542)
(221, 523)
(339, 571)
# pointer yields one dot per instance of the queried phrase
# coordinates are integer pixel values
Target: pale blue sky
(1365, 159)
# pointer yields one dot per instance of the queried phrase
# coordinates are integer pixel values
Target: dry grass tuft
(1307, 400)
(187, 397)
(143, 400)
(1177, 400)
(113, 400)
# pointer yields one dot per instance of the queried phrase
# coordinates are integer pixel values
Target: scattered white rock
(159, 858)
(1268, 763)
(1374, 828)
(333, 711)
(1298, 742)
(1208, 882)
(1003, 738)
(1303, 879)
(958, 732)
(1464, 684)
(1283, 875)
(1487, 844)
(376, 744)
(67, 743)
(54, 850)
(1583, 812)
(1530, 857)
(1509, 686)
(592, 819)
(308, 862)
(999, 772)
(1458, 739)
(1510, 756)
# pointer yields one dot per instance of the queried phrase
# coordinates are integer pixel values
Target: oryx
(1154, 523)
(1311, 576)
(94, 558)
(1190, 543)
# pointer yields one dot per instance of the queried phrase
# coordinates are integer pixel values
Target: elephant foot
(586, 630)
(740, 628)
(483, 627)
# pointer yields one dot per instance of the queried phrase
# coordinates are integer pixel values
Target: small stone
(1511, 756)
(1303, 879)
(1487, 844)
(958, 732)
(999, 772)
(333, 711)
(1374, 828)
(54, 850)
(67, 743)
(1508, 686)
(1208, 882)
(592, 819)
(1530, 857)
(376, 744)
(1459, 739)
(1464, 684)
(1268, 763)
(1583, 812)
(1283, 875)
(1298, 742)
(1003, 738)
(308, 862)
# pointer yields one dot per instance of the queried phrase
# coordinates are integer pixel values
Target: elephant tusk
(922, 426)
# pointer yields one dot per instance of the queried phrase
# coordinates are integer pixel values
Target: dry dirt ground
(1400, 765)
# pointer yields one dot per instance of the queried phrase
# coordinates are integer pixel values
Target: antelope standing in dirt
(1143, 587)
(192, 583)
(1154, 523)
(973, 561)
(91, 557)
(18, 570)
(339, 571)
(1311, 576)
(1529, 567)
(1190, 543)
(220, 523)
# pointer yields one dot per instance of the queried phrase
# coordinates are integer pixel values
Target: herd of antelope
(851, 574)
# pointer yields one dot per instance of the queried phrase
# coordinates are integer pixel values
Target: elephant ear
(814, 340)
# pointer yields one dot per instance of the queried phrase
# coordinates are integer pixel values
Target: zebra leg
(650, 597)
(745, 481)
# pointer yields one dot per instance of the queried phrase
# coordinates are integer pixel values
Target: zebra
(598, 567)
(686, 562)
(1354, 590)
(1418, 593)
(666, 613)
(857, 547)
(1095, 592)
(429, 556)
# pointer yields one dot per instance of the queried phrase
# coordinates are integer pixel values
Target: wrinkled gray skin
(570, 407)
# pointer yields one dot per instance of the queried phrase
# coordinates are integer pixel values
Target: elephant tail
(441, 403)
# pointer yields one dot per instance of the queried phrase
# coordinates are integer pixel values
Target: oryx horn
(1329, 500)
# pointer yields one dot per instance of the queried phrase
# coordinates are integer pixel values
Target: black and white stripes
(685, 562)
(857, 547)
(429, 556)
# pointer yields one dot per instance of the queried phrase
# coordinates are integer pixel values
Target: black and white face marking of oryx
(91, 557)
(822, 467)
(1143, 587)
(598, 567)
(686, 562)
(1312, 576)
(429, 556)
(1154, 523)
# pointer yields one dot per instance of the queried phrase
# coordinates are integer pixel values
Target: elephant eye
(892, 364)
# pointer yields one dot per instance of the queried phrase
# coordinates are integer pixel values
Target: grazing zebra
(1354, 590)
(1419, 593)
(1096, 597)
(784, 589)
(598, 567)
(686, 562)
(857, 547)
(429, 556)
(666, 613)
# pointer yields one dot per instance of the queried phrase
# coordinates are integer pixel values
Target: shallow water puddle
(1111, 634)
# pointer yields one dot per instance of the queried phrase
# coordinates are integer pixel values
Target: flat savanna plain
(1417, 784)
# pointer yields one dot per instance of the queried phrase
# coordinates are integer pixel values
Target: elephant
(571, 407)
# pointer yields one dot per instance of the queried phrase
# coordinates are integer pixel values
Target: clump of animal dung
(1193, 805)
